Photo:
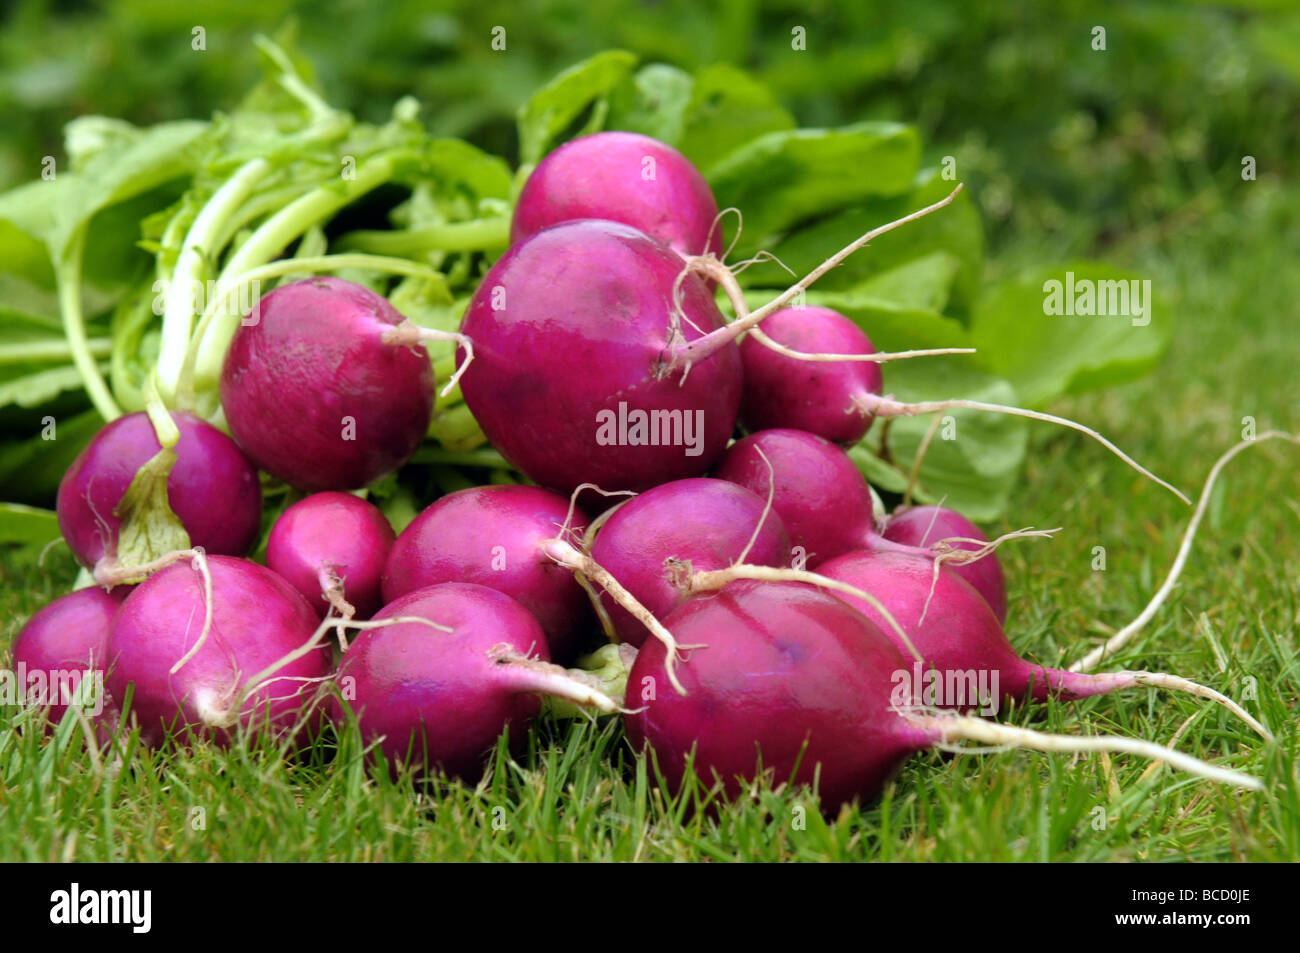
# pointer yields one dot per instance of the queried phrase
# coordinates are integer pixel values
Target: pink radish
(621, 177)
(959, 637)
(62, 642)
(441, 699)
(212, 644)
(574, 378)
(332, 547)
(325, 386)
(496, 536)
(795, 681)
(212, 488)
(711, 523)
(921, 527)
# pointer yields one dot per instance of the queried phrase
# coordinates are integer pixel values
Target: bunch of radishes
(782, 623)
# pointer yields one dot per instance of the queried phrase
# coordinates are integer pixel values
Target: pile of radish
(687, 494)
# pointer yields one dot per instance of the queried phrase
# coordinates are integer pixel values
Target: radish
(210, 487)
(496, 536)
(825, 503)
(921, 527)
(62, 643)
(332, 547)
(574, 377)
(820, 494)
(958, 636)
(843, 392)
(785, 392)
(326, 387)
(794, 681)
(443, 698)
(622, 177)
(711, 523)
(213, 643)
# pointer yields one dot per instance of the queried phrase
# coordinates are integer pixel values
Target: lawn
(580, 793)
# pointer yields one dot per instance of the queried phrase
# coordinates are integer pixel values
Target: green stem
(191, 371)
(273, 236)
(476, 235)
(60, 350)
(74, 326)
(485, 458)
(196, 251)
(456, 429)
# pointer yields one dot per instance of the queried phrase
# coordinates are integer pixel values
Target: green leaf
(31, 385)
(27, 525)
(955, 229)
(652, 102)
(973, 461)
(30, 469)
(550, 110)
(783, 178)
(150, 529)
(1046, 355)
(727, 110)
(922, 283)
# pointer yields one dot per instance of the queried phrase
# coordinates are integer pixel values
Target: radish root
(1126, 634)
(409, 334)
(947, 730)
(682, 576)
(542, 677)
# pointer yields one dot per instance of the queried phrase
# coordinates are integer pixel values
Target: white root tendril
(914, 475)
(542, 677)
(946, 552)
(1126, 634)
(767, 508)
(954, 728)
(566, 554)
(408, 334)
(588, 540)
(888, 407)
(1178, 683)
(705, 580)
(199, 563)
(331, 587)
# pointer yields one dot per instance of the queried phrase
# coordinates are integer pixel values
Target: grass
(578, 793)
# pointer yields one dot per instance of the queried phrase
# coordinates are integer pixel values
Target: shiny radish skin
(493, 536)
(621, 177)
(257, 619)
(213, 488)
(785, 665)
(708, 522)
(923, 526)
(68, 635)
(334, 533)
(821, 496)
(820, 397)
(571, 345)
(439, 697)
(960, 632)
(314, 395)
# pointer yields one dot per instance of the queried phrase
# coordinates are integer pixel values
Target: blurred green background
(1054, 137)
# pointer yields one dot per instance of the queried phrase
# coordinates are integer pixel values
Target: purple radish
(213, 644)
(63, 641)
(921, 527)
(332, 548)
(711, 523)
(622, 177)
(212, 488)
(959, 637)
(496, 536)
(443, 698)
(821, 397)
(325, 386)
(825, 504)
(797, 681)
(583, 371)
(820, 494)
